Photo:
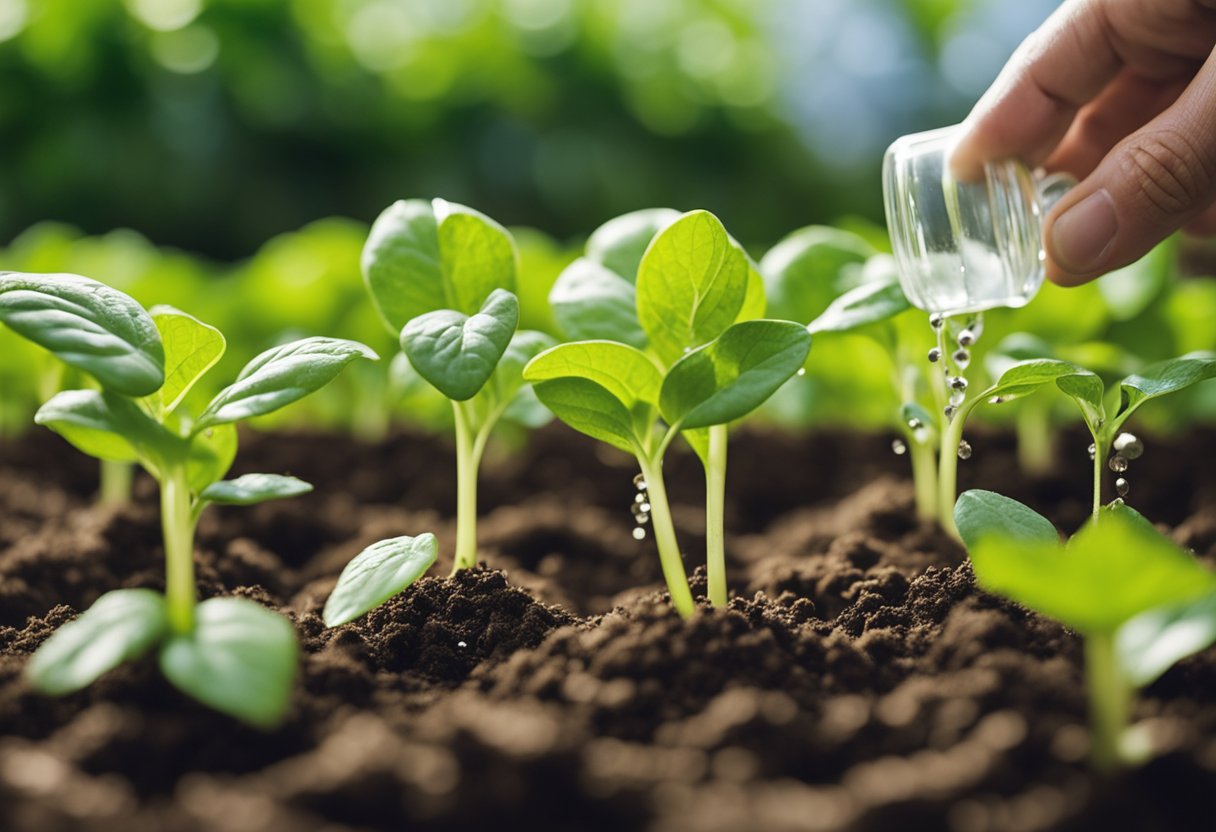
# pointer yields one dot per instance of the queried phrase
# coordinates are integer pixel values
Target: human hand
(1121, 94)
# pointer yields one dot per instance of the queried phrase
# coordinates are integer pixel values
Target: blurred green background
(213, 125)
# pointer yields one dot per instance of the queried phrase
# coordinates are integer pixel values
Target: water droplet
(949, 411)
(958, 383)
(1118, 464)
(936, 320)
(639, 533)
(1118, 501)
(976, 325)
(461, 644)
(997, 400)
(687, 350)
(957, 397)
(915, 424)
(935, 355)
(645, 507)
(1093, 450)
(966, 338)
(899, 447)
(1122, 487)
(1129, 446)
(642, 518)
(964, 449)
(802, 371)
(962, 358)
(639, 482)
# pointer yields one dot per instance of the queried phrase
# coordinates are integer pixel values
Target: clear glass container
(963, 247)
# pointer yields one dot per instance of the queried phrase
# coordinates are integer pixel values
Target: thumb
(1151, 184)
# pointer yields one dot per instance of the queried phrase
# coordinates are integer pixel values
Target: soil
(858, 680)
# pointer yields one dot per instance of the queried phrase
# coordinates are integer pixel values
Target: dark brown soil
(858, 680)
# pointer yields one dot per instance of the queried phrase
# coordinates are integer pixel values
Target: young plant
(229, 653)
(708, 361)
(442, 276)
(1140, 603)
(1105, 413)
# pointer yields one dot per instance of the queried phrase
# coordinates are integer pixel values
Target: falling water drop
(899, 447)
(1122, 487)
(936, 320)
(964, 449)
(962, 358)
(958, 383)
(639, 533)
(935, 355)
(639, 482)
(966, 338)
(1118, 464)
(915, 424)
(957, 397)
(801, 371)
(1128, 446)
(1093, 450)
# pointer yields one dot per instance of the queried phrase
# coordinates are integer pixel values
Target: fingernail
(1082, 235)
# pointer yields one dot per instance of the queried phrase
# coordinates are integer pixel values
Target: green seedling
(1140, 603)
(442, 277)
(378, 573)
(229, 653)
(1105, 412)
(708, 360)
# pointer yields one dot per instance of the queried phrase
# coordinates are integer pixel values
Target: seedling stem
(1101, 452)
(177, 523)
(469, 449)
(665, 536)
(1110, 701)
(116, 477)
(715, 506)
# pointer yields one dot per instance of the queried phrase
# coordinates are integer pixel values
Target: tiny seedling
(1105, 413)
(229, 653)
(708, 361)
(378, 573)
(1140, 603)
(441, 276)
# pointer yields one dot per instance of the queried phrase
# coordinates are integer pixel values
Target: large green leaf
(458, 353)
(191, 349)
(692, 285)
(1152, 642)
(120, 626)
(1110, 572)
(240, 659)
(591, 409)
(731, 376)
(280, 376)
(1164, 378)
(424, 256)
(250, 489)
(592, 302)
(810, 268)
(378, 573)
(625, 372)
(1026, 377)
(979, 514)
(619, 244)
(88, 325)
(869, 303)
(108, 426)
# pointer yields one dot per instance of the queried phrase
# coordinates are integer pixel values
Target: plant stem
(1101, 451)
(1033, 426)
(116, 480)
(1109, 701)
(947, 472)
(715, 507)
(665, 538)
(924, 477)
(468, 459)
(177, 525)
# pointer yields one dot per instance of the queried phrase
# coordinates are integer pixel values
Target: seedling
(1104, 415)
(229, 653)
(1140, 603)
(708, 361)
(442, 276)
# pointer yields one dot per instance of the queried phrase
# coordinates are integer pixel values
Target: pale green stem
(947, 472)
(924, 477)
(1110, 700)
(177, 524)
(468, 459)
(1034, 435)
(116, 480)
(665, 538)
(1101, 451)
(715, 508)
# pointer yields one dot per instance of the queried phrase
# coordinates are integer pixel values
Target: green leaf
(250, 489)
(591, 409)
(526, 410)
(108, 426)
(619, 244)
(1110, 572)
(212, 452)
(810, 268)
(191, 349)
(1026, 377)
(424, 256)
(240, 660)
(280, 376)
(120, 626)
(626, 373)
(980, 514)
(1163, 378)
(1154, 641)
(734, 374)
(692, 284)
(88, 325)
(869, 303)
(755, 300)
(591, 302)
(457, 353)
(508, 379)
(378, 573)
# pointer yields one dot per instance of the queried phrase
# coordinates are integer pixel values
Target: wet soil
(858, 680)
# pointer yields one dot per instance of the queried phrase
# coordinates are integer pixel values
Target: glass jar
(963, 247)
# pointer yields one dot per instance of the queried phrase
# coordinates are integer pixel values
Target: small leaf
(980, 514)
(591, 302)
(212, 452)
(250, 489)
(280, 376)
(478, 255)
(88, 325)
(108, 426)
(240, 660)
(1164, 378)
(191, 349)
(1026, 377)
(456, 353)
(120, 626)
(619, 244)
(692, 284)
(626, 373)
(1154, 641)
(591, 409)
(1110, 572)
(378, 573)
(733, 375)
(869, 303)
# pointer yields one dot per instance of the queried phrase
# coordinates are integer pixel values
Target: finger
(1126, 105)
(1151, 184)
(1203, 225)
(1059, 68)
